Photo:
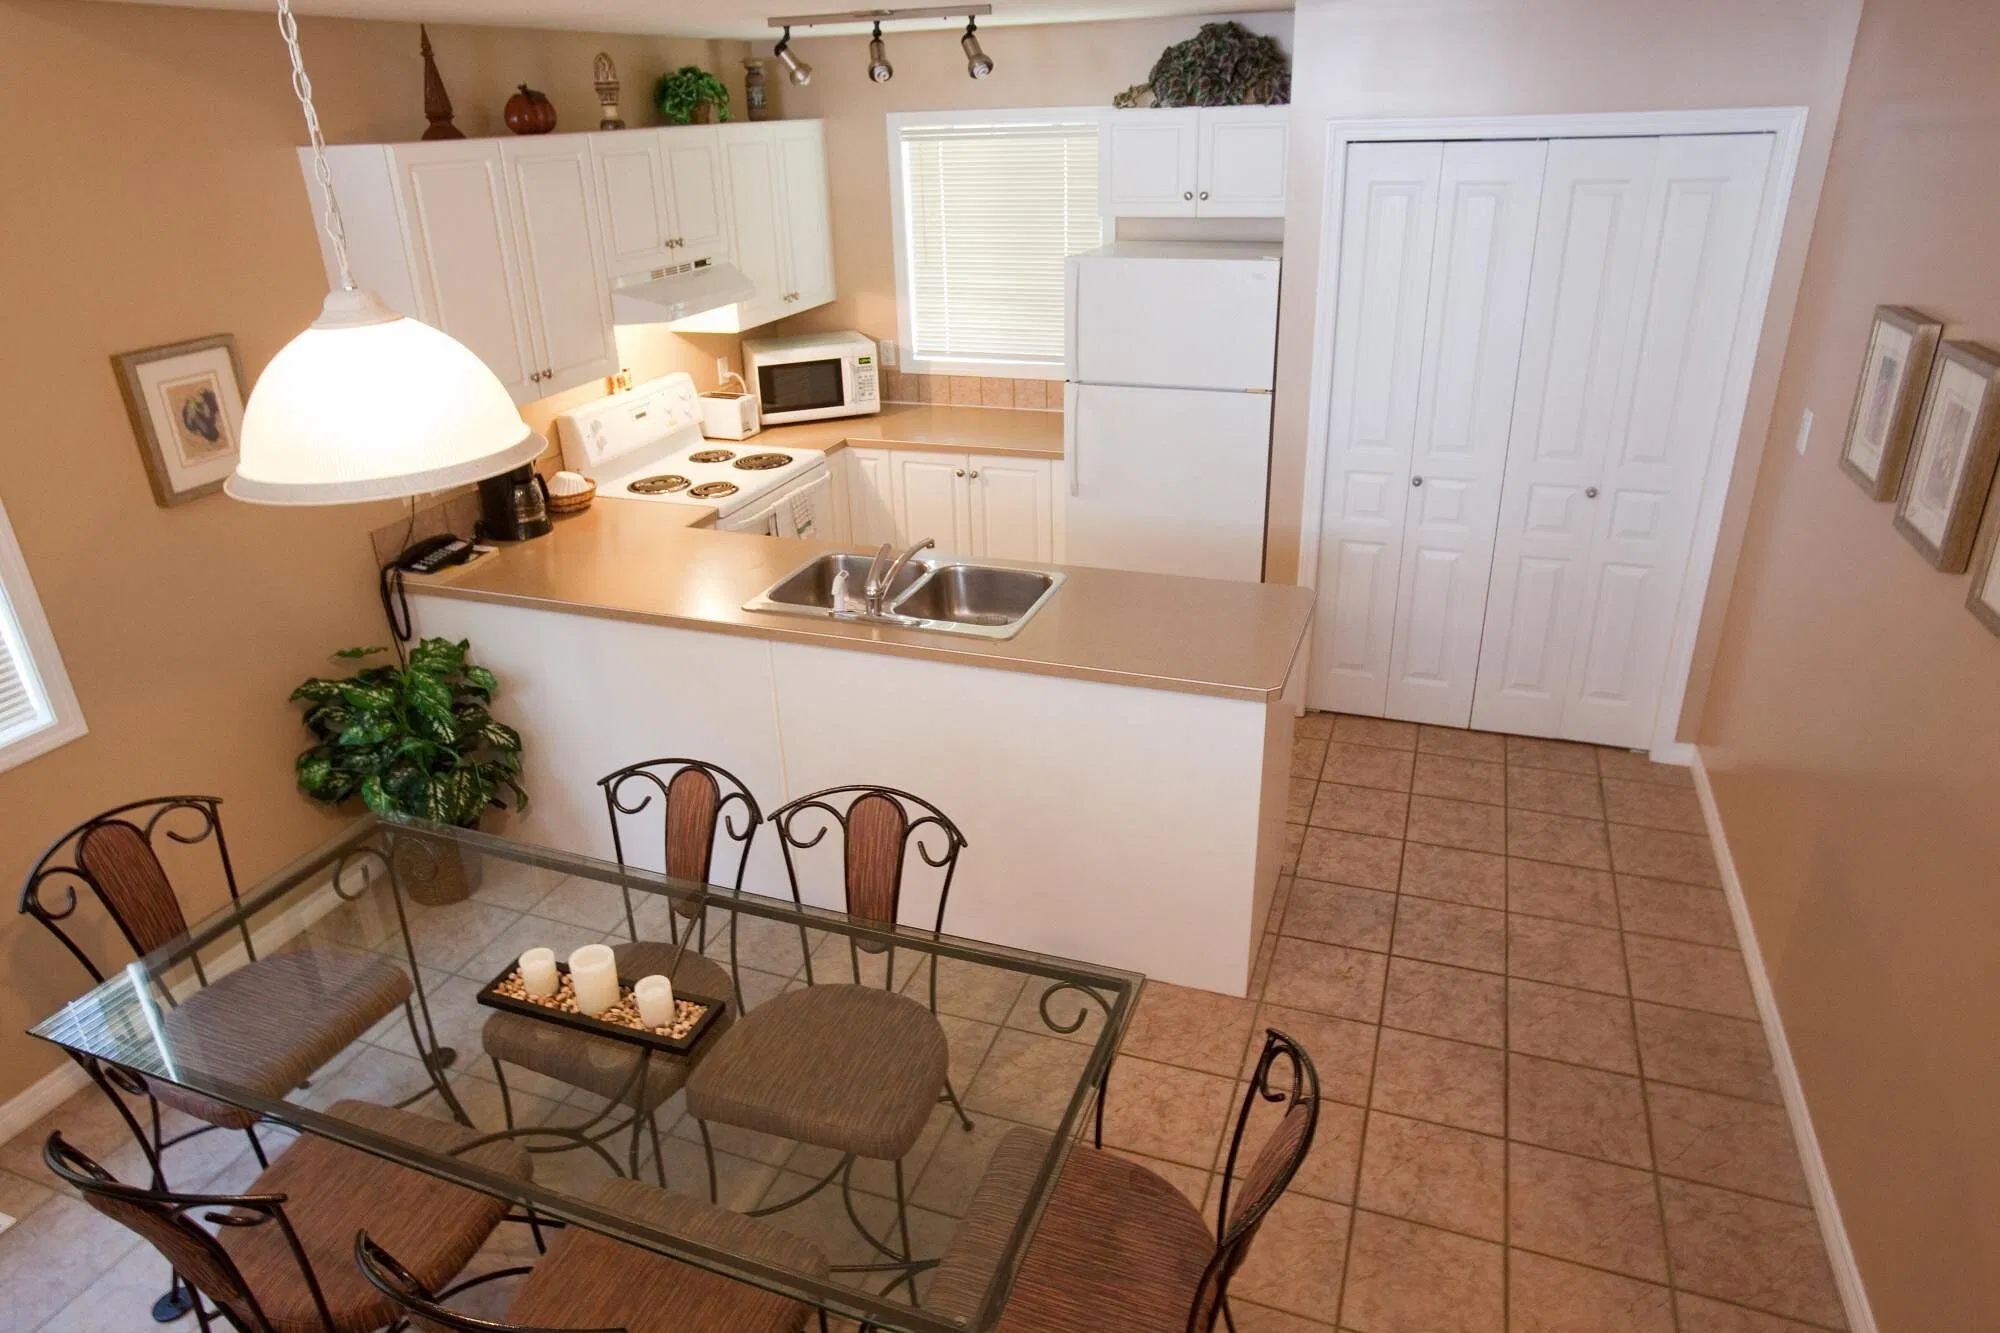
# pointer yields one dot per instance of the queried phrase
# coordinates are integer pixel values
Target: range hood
(667, 294)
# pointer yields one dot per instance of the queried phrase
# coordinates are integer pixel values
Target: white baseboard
(1678, 753)
(1839, 1252)
(67, 1079)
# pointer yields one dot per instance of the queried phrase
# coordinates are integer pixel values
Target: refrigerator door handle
(1070, 460)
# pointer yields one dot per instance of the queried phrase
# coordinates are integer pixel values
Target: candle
(595, 973)
(656, 1001)
(538, 972)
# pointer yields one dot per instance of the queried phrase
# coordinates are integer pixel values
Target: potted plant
(417, 740)
(691, 94)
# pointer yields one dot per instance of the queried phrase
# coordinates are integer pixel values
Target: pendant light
(977, 63)
(879, 68)
(797, 70)
(368, 404)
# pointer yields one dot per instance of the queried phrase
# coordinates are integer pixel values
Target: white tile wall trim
(1839, 1252)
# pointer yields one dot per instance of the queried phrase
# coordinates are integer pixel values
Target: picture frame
(1902, 343)
(1983, 597)
(185, 400)
(1952, 456)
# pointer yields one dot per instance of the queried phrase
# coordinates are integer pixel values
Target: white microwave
(812, 377)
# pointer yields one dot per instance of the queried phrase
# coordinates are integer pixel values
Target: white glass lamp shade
(369, 405)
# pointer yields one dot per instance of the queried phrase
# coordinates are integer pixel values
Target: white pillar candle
(656, 1001)
(595, 973)
(538, 972)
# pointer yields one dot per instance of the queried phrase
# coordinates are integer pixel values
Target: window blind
(24, 709)
(990, 214)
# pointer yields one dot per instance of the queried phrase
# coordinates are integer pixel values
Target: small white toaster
(727, 415)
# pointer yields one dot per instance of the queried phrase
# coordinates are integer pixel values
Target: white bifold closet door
(1641, 261)
(1531, 343)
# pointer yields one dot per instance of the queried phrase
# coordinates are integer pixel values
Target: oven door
(806, 390)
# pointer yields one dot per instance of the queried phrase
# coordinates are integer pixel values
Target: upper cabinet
(553, 203)
(1188, 162)
(661, 197)
(781, 235)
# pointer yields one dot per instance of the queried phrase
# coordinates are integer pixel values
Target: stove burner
(660, 485)
(713, 490)
(762, 462)
(712, 456)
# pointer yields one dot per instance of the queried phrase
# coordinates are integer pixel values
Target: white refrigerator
(1167, 409)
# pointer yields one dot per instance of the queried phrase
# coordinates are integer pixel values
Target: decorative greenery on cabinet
(681, 95)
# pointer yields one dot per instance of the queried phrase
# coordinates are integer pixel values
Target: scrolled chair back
(1237, 1219)
(423, 1310)
(699, 804)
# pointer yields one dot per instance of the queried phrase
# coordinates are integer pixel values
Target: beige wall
(1853, 731)
(152, 195)
(1361, 59)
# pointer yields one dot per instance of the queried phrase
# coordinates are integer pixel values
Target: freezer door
(1178, 323)
(1168, 481)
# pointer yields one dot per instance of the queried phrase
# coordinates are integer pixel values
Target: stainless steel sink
(946, 596)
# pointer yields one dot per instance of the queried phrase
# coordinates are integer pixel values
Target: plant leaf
(360, 652)
(439, 657)
(479, 678)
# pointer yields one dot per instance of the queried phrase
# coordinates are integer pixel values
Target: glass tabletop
(1028, 1040)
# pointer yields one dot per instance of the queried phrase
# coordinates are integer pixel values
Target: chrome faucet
(879, 582)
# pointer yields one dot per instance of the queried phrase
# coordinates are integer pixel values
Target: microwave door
(802, 386)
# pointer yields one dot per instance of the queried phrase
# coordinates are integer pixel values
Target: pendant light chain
(336, 227)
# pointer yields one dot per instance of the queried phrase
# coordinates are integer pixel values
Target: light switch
(888, 351)
(1805, 431)
(721, 370)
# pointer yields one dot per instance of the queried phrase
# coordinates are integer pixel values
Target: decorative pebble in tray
(624, 1014)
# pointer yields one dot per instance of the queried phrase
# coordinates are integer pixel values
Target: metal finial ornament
(437, 102)
(606, 75)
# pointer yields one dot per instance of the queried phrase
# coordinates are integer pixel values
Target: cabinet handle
(535, 377)
(1187, 194)
(974, 474)
(548, 374)
(1416, 481)
(1204, 194)
(1590, 492)
(959, 473)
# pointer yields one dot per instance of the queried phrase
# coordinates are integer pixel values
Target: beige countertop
(635, 562)
(987, 430)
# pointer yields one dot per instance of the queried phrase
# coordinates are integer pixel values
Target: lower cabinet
(973, 505)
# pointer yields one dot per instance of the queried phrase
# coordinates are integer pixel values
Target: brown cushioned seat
(603, 1065)
(591, 1281)
(1118, 1248)
(333, 1191)
(269, 1024)
(850, 1068)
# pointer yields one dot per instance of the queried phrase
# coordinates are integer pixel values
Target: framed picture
(1901, 344)
(1984, 598)
(186, 404)
(1951, 460)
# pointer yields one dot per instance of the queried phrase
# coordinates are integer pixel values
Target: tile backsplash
(972, 391)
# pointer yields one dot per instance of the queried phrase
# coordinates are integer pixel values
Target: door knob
(1416, 481)
(974, 474)
(535, 377)
(1590, 492)
(1204, 194)
(1187, 194)
(959, 473)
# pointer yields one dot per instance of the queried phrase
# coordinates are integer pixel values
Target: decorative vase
(529, 112)
(755, 107)
(605, 77)
(437, 102)
(435, 872)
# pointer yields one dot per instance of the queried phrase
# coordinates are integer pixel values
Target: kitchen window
(986, 208)
(38, 711)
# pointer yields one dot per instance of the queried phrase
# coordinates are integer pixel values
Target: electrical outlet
(1805, 431)
(721, 369)
(888, 347)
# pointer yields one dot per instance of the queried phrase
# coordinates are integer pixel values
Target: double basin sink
(946, 596)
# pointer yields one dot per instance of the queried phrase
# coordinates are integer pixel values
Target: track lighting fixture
(977, 63)
(879, 68)
(797, 70)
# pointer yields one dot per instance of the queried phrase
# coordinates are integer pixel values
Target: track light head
(797, 70)
(977, 63)
(879, 68)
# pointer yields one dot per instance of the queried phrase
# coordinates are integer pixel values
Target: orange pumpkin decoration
(529, 112)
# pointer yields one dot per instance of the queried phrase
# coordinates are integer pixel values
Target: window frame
(908, 361)
(41, 653)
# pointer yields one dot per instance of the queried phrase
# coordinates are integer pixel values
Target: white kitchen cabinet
(554, 208)
(931, 501)
(1011, 501)
(1186, 162)
(660, 197)
(975, 506)
(808, 228)
(781, 236)
(871, 500)
(697, 190)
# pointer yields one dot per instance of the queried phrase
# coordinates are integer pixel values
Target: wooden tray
(713, 1009)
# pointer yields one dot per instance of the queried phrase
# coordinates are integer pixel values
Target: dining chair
(279, 1257)
(843, 1066)
(264, 1026)
(698, 808)
(1118, 1249)
(590, 1282)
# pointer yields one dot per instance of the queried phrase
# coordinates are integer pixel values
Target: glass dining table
(1031, 1040)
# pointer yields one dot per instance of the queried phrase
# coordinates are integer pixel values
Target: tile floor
(1547, 1105)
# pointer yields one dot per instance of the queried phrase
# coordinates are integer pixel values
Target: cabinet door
(1150, 160)
(808, 231)
(634, 203)
(750, 159)
(871, 500)
(466, 278)
(1009, 500)
(1241, 167)
(692, 156)
(931, 499)
(562, 269)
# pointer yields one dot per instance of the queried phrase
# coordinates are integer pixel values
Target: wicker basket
(572, 504)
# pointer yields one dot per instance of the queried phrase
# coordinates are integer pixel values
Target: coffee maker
(514, 506)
